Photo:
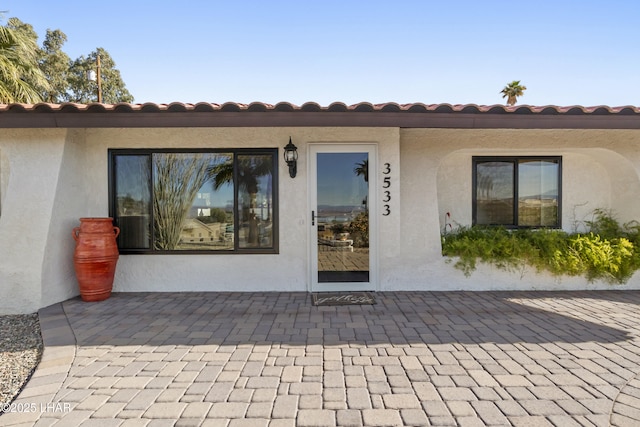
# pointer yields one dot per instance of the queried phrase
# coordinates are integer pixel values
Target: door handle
(313, 217)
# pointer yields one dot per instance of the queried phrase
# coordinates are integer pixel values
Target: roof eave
(315, 119)
(312, 114)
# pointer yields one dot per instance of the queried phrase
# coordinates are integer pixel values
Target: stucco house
(385, 180)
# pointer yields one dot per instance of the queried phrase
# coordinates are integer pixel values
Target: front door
(343, 233)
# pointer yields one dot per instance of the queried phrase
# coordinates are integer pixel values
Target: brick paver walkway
(336, 260)
(273, 359)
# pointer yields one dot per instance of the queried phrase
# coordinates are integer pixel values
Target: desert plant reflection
(178, 178)
(201, 201)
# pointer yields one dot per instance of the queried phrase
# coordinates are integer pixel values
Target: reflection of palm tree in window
(359, 226)
(251, 168)
(484, 186)
(362, 169)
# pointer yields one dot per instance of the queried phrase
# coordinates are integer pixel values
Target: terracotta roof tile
(313, 106)
(389, 114)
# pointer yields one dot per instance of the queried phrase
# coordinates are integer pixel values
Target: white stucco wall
(599, 170)
(586, 185)
(51, 177)
(4, 173)
(286, 271)
(30, 243)
(592, 176)
(58, 275)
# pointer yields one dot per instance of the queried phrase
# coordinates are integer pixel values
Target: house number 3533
(386, 183)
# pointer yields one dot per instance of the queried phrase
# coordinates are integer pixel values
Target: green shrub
(609, 251)
(359, 229)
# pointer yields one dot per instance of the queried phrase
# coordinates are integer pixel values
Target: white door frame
(343, 147)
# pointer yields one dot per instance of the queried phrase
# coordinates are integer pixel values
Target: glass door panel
(341, 202)
(343, 217)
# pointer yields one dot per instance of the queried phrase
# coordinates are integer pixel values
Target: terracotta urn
(95, 257)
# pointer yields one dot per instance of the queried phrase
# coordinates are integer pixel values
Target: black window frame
(516, 161)
(237, 250)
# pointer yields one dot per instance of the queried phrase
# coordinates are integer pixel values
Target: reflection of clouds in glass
(338, 184)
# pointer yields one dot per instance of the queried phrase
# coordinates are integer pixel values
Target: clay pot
(95, 257)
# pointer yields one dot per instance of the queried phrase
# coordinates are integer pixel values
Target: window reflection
(182, 201)
(194, 201)
(521, 192)
(537, 193)
(343, 217)
(255, 202)
(494, 193)
(133, 207)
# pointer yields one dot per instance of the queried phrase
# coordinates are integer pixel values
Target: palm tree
(512, 91)
(250, 170)
(21, 80)
(362, 168)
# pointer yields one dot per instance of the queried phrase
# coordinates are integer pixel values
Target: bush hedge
(607, 251)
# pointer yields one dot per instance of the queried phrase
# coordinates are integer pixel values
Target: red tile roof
(315, 107)
(231, 114)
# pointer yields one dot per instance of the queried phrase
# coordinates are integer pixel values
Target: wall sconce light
(291, 157)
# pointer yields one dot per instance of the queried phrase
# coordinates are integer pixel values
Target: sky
(566, 52)
(337, 182)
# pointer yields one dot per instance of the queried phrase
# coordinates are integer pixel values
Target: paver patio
(273, 359)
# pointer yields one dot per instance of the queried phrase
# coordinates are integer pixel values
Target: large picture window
(517, 191)
(194, 201)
